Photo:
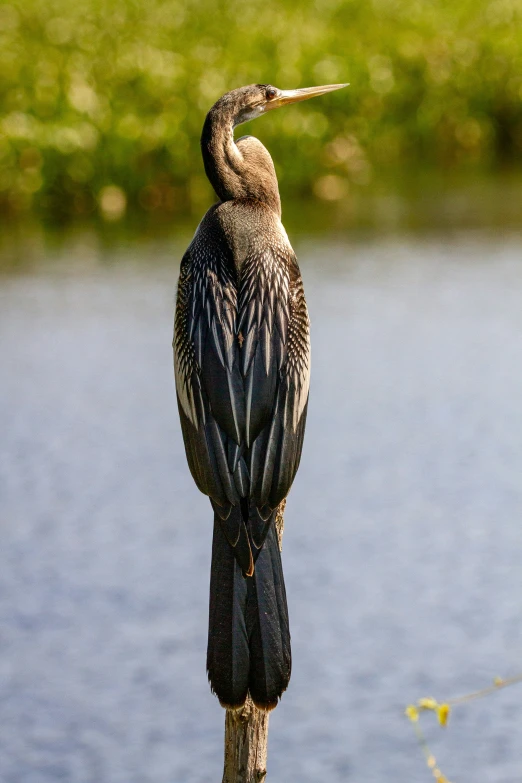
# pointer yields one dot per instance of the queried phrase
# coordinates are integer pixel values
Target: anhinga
(242, 365)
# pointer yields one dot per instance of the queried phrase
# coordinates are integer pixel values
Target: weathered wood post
(246, 729)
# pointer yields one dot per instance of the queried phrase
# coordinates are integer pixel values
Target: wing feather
(276, 430)
(242, 365)
(208, 380)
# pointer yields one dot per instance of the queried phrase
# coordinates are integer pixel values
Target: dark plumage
(242, 366)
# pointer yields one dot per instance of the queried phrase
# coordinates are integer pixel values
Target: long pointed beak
(286, 97)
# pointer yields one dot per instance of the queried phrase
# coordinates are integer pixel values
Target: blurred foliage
(102, 103)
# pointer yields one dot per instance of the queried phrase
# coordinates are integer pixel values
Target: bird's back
(242, 356)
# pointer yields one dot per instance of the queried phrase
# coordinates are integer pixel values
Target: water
(403, 538)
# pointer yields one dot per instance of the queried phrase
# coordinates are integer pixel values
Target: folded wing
(242, 361)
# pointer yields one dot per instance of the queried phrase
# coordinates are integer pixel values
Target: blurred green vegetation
(102, 103)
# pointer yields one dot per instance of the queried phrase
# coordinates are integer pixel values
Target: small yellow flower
(498, 681)
(427, 704)
(431, 762)
(443, 712)
(412, 713)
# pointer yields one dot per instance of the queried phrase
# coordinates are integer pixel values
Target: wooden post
(246, 729)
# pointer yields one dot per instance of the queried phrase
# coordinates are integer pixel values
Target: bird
(242, 373)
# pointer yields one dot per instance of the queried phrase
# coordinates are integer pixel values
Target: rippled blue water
(403, 538)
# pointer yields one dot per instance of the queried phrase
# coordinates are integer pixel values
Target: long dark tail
(248, 635)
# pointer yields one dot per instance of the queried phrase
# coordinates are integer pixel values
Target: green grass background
(104, 101)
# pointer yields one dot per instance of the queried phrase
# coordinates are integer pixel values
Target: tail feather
(228, 655)
(267, 620)
(249, 636)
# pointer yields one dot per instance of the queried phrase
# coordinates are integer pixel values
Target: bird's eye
(271, 92)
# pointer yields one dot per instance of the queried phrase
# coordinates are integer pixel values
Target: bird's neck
(242, 170)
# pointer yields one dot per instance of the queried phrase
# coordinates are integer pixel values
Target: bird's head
(244, 169)
(247, 103)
